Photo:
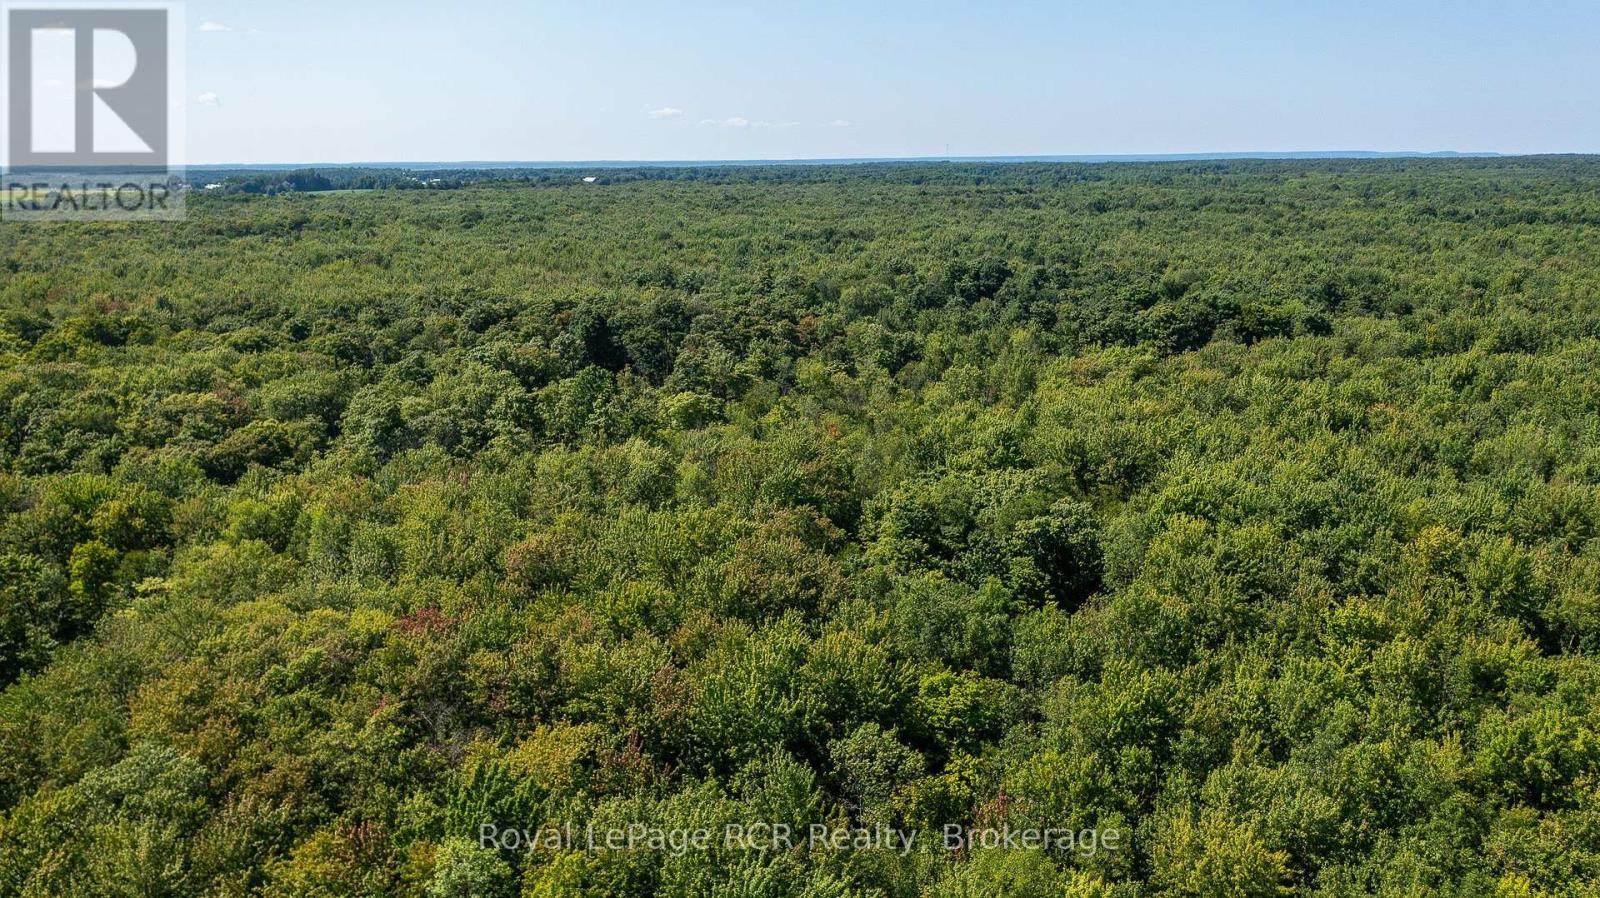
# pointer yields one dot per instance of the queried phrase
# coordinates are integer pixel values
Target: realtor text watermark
(94, 111)
(763, 836)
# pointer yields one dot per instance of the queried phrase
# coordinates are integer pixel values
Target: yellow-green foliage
(1248, 510)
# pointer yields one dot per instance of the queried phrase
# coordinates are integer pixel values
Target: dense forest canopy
(1247, 509)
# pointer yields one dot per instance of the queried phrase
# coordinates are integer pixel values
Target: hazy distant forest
(1251, 509)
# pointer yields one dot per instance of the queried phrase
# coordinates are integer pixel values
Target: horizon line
(1264, 155)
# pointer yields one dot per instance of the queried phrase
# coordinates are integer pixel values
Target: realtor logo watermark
(93, 111)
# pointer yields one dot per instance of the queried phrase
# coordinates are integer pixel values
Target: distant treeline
(312, 180)
(1015, 175)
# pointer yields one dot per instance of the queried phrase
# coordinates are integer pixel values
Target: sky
(280, 81)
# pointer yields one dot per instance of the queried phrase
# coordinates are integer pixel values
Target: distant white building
(213, 186)
(590, 180)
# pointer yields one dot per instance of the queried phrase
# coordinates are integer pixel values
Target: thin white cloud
(740, 123)
(840, 123)
(666, 112)
(211, 26)
(209, 98)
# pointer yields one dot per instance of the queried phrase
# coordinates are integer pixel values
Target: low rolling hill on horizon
(501, 164)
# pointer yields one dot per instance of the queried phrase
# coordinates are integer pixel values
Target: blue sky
(294, 81)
